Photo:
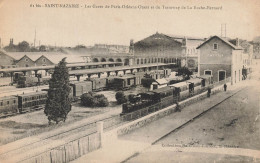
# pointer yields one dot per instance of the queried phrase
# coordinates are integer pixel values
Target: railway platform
(141, 139)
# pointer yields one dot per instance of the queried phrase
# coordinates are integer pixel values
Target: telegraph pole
(34, 38)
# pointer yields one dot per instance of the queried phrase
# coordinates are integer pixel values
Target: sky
(88, 26)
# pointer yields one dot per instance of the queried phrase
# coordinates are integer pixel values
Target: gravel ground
(232, 123)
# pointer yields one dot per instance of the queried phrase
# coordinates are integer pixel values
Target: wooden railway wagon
(206, 80)
(8, 105)
(181, 90)
(123, 82)
(98, 84)
(79, 88)
(31, 101)
(194, 85)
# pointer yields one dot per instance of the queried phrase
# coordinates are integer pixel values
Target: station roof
(195, 80)
(20, 69)
(163, 89)
(7, 97)
(32, 93)
(181, 84)
(161, 81)
(111, 69)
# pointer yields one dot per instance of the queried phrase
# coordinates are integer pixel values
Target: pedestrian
(225, 87)
(209, 91)
(178, 108)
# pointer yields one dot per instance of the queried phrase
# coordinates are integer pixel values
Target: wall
(237, 65)
(215, 68)
(220, 56)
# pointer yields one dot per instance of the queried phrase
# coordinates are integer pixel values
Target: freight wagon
(98, 84)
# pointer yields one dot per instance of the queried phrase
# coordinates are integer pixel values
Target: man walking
(209, 91)
(225, 87)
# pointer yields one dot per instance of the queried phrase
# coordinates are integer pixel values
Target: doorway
(221, 75)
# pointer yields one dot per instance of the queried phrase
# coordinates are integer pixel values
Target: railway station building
(162, 48)
(221, 59)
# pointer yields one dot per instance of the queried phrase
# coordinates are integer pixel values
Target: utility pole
(34, 38)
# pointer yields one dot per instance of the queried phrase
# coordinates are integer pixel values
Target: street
(227, 133)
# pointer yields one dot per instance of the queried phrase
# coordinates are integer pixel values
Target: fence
(69, 151)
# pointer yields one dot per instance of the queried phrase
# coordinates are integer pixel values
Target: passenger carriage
(181, 90)
(31, 101)
(8, 104)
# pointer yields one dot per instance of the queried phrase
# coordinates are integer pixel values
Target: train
(170, 94)
(25, 102)
(36, 100)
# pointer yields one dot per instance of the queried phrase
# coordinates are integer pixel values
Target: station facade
(221, 59)
(164, 48)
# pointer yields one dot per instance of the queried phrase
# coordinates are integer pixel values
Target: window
(208, 72)
(215, 46)
(7, 102)
(44, 60)
(1, 103)
(26, 59)
(14, 101)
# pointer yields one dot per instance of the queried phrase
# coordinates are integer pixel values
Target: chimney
(237, 42)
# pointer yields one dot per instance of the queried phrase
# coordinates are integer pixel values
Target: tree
(185, 72)
(87, 99)
(58, 103)
(120, 97)
(91, 100)
(23, 46)
(42, 48)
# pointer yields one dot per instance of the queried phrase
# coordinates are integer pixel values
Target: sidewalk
(140, 139)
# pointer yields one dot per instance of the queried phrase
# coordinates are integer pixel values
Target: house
(221, 59)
